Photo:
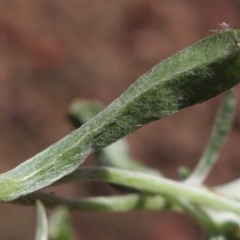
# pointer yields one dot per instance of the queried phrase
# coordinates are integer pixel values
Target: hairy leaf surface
(191, 76)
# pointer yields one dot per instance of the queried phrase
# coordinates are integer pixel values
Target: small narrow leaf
(191, 76)
(183, 172)
(42, 225)
(82, 111)
(221, 129)
(230, 189)
(60, 226)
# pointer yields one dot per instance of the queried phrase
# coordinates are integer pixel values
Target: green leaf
(191, 76)
(117, 154)
(221, 129)
(60, 226)
(230, 189)
(42, 225)
(82, 111)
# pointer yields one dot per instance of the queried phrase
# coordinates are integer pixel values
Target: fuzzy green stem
(124, 203)
(155, 185)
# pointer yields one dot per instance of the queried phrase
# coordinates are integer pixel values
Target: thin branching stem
(124, 203)
(155, 185)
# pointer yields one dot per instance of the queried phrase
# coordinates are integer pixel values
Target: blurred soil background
(53, 51)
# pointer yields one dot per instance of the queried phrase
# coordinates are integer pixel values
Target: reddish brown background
(52, 51)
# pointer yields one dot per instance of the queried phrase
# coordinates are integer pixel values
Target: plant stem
(155, 185)
(124, 203)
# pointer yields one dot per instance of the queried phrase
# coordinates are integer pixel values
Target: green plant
(191, 76)
(57, 228)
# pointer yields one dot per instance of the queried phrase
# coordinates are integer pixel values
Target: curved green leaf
(117, 154)
(191, 76)
(42, 224)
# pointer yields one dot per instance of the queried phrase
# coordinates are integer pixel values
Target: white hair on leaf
(225, 26)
